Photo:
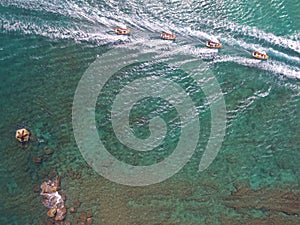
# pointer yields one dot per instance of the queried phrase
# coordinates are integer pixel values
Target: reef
(276, 200)
(53, 199)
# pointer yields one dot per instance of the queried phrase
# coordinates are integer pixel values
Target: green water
(47, 46)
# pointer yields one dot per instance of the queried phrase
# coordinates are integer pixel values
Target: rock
(89, 214)
(51, 212)
(53, 199)
(42, 222)
(36, 189)
(83, 216)
(59, 217)
(59, 223)
(49, 187)
(77, 203)
(48, 151)
(63, 196)
(61, 213)
(78, 176)
(270, 200)
(32, 137)
(72, 210)
(37, 160)
(56, 182)
(52, 172)
(22, 135)
(43, 187)
(89, 221)
(50, 222)
(44, 172)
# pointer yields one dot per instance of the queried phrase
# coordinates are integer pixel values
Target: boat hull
(122, 31)
(258, 55)
(167, 36)
(212, 44)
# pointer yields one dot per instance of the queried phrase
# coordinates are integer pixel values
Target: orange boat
(167, 36)
(259, 55)
(122, 31)
(212, 44)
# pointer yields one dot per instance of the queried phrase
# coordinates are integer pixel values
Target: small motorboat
(213, 44)
(167, 36)
(259, 55)
(122, 31)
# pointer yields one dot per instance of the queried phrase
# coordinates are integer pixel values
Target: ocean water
(47, 47)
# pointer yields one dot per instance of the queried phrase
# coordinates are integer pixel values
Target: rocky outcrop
(53, 199)
(22, 135)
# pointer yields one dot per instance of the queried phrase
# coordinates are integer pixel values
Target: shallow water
(47, 46)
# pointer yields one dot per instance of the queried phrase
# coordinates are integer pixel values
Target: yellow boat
(213, 44)
(122, 31)
(259, 55)
(167, 36)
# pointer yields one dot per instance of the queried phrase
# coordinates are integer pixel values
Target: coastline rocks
(49, 187)
(61, 212)
(51, 212)
(52, 199)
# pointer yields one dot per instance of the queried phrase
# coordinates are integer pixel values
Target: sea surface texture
(47, 47)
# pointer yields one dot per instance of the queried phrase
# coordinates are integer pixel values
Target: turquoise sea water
(47, 46)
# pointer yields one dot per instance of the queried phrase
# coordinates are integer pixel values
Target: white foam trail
(94, 22)
(281, 68)
(285, 42)
(286, 56)
(270, 65)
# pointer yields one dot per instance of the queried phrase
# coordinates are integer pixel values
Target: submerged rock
(89, 220)
(77, 203)
(89, 214)
(48, 151)
(37, 160)
(72, 210)
(83, 216)
(36, 189)
(266, 199)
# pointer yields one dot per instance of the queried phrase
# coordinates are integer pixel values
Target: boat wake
(86, 21)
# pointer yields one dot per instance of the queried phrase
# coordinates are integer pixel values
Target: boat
(259, 55)
(213, 44)
(122, 30)
(167, 36)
